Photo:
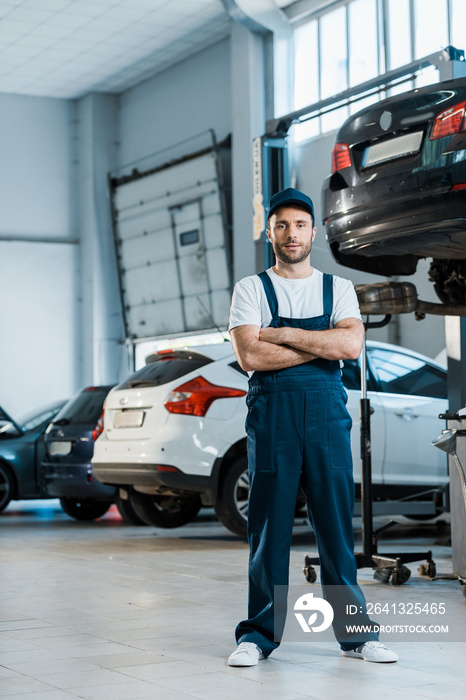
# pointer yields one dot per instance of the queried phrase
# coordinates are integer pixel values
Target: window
(85, 408)
(351, 376)
(458, 24)
(399, 34)
(345, 47)
(165, 366)
(306, 79)
(431, 26)
(363, 60)
(334, 64)
(32, 421)
(404, 374)
(333, 52)
(306, 85)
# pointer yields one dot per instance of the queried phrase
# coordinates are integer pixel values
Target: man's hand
(273, 335)
(344, 342)
(254, 354)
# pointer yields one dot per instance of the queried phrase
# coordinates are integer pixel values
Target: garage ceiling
(67, 48)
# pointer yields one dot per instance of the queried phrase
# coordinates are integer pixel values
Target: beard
(291, 258)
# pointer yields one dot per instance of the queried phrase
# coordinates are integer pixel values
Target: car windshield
(32, 419)
(165, 367)
(84, 408)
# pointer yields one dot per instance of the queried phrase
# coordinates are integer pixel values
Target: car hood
(5, 419)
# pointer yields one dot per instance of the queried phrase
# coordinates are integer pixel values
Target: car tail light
(340, 157)
(460, 186)
(195, 397)
(450, 121)
(99, 427)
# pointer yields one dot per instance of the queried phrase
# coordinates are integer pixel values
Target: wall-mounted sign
(258, 197)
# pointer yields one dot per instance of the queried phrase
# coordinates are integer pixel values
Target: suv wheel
(165, 511)
(7, 487)
(127, 512)
(87, 509)
(233, 498)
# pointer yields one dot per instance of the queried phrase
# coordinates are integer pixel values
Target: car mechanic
(290, 326)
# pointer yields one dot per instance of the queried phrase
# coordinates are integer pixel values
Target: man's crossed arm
(277, 348)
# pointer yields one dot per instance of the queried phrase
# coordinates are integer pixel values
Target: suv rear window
(164, 367)
(86, 407)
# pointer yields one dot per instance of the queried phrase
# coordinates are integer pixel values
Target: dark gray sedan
(21, 453)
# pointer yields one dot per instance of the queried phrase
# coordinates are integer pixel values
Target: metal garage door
(170, 234)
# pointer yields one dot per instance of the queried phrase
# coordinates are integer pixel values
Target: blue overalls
(298, 431)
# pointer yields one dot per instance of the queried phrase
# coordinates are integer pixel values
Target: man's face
(291, 232)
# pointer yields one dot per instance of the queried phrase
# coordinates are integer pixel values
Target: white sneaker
(247, 654)
(373, 651)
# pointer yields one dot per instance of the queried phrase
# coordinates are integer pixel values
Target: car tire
(7, 487)
(87, 509)
(165, 511)
(233, 498)
(127, 512)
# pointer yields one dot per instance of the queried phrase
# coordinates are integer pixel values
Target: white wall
(36, 144)
(39, 350)
(179, 103)
(312, 165)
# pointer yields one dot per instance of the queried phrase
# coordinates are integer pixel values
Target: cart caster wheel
(383, 574)
(400, 575)
(310, 574)
(428, 569)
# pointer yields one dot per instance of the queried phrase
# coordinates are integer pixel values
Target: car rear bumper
(429, 225)
(147, 475)
(73, 481)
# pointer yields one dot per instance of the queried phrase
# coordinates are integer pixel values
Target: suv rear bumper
(136, 474)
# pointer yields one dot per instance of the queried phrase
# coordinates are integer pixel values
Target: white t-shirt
(297, 298)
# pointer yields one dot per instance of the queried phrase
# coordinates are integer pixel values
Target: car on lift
(174, 435)
(66, 471)
(21, 453)
(397, 189)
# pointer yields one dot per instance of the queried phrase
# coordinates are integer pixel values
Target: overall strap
(269, 293)
(328, 293)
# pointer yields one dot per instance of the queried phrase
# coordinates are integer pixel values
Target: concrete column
(248, 119)
(103, 347)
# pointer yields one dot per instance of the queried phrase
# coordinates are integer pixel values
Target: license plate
(393, 148)
(60, 448)
(128, 419)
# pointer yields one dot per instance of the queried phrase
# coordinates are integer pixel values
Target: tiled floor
(107, 611)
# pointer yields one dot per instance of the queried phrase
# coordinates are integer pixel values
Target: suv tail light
(99, 427)
(195, 397)
(450, 121)
(340, 157)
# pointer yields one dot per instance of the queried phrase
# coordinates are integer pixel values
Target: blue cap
(288, 197)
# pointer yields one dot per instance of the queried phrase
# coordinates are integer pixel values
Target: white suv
(174, 436)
